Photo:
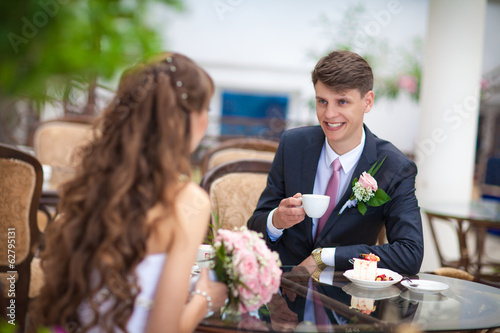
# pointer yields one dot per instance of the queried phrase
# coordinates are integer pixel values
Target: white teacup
(315, 205)
(204, 255)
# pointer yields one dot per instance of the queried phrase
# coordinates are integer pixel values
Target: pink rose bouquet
(365, 191)
(251, 271)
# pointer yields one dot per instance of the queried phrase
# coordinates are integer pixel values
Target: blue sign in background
(252, 107)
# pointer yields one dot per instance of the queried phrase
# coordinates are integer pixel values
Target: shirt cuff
(328, 256)
(326, 276)
(273, 232)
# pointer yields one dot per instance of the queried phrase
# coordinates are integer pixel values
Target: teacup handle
(301, 206)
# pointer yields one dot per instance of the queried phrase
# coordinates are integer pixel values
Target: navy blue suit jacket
(294, 170)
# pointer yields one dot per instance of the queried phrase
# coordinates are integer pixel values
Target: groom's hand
(309, 264)
(289, 212)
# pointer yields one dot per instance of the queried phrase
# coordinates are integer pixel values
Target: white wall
(492, 49)
(265, 46)
(491, 37)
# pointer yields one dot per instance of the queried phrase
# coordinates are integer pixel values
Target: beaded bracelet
(207, 297)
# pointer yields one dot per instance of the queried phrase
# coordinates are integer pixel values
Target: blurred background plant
(397, 69)
(61, 53)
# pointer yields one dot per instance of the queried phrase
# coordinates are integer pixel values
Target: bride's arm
(171, 312)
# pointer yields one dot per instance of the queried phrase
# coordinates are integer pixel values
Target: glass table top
(464, 305)
(486, 210)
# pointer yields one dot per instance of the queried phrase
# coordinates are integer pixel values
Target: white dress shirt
(349, 161)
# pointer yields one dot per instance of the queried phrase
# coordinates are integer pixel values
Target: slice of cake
(365, 267)
(365, 305)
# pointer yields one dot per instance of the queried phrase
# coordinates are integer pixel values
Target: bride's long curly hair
(140, 150)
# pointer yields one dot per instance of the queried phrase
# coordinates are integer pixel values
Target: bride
(119, 256)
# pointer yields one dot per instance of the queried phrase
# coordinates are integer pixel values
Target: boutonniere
(365, 191)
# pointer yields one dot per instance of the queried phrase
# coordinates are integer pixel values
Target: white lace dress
(148, 273)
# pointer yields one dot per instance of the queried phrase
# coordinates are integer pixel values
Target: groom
(305, 162)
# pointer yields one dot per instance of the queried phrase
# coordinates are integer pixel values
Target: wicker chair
(454, 273)
(55, 141)
(234, 189)
(236, 149)
(20, 187)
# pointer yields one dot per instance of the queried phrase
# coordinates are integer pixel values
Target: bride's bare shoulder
(193, 198)
(193, 191)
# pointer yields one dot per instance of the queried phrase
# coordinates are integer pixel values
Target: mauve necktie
(319, 311)
(331, 190)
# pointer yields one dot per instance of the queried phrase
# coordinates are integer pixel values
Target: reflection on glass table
(463, 306)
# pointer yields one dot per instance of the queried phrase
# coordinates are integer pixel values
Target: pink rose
(409, 83)
(265, 276)
(253, 270)
(247, 266)
(251, 291)
(484, 84)
(262, 251)
(367, 181)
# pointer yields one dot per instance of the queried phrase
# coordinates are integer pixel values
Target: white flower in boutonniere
(365, 191)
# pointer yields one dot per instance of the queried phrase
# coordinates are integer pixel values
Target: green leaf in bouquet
(379, 199)
(373, 170)
(355, 180)
(212, 229)
(362, 207)
(219, 269)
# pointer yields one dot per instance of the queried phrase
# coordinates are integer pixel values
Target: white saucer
(422, 297)
(195, 269)
(425, 286)
(374, 284)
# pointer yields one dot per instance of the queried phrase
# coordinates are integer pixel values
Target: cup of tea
(315, 205)
(204, 255)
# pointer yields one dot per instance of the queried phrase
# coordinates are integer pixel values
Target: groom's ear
(368, 101)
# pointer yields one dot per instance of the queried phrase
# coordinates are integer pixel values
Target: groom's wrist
(316, 254)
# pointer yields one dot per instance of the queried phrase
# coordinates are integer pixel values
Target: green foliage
(222, 257)
(362, 207)
(5, 327)
(373, 170)
(396, 68)
(46, 43)
(212, 229)
(379, 199)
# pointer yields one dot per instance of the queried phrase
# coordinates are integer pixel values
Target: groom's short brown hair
(342, 70)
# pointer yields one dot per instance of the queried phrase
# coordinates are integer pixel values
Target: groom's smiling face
(341, 114)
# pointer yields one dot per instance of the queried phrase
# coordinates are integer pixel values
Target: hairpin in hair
(173, 69)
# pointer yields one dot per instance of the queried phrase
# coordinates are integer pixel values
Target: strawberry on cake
(365, 267)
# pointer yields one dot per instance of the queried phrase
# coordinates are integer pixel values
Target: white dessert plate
(425, 286)
(375, 294)
(374, 284)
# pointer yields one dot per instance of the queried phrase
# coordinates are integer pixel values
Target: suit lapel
(366, 160)
(312, 151)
